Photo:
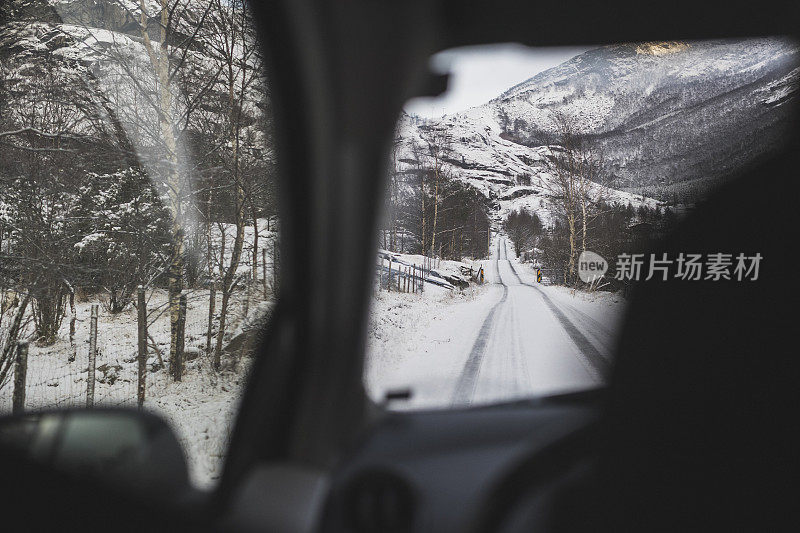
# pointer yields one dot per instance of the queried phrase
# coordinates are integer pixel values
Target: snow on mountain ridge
(660, 113)
(593, 82)
(483, 158)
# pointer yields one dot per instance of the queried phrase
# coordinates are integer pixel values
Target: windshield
(138, 228)
(521, 202)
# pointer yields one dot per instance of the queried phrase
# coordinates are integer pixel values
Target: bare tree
(233, 47)
(423, 210)
(438, 144)
(48, 126)
(174, 91)
(142, 89)
(9, 339)
(576, 184)
(158, 98)
(522, 227)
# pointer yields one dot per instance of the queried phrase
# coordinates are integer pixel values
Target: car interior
(695, 429)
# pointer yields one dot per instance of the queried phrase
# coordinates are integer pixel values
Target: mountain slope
(659, 115)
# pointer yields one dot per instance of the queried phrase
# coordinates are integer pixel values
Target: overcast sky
(479, 74)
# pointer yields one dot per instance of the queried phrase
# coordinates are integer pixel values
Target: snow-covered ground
(605, 308)
(200, 408)
(508, 339)
(417, 340)
(486, 343)
(441, 273)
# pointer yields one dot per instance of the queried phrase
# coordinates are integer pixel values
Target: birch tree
(232, 46)
(156, 112)
(576, 186)
(437, 146)
(158, 54)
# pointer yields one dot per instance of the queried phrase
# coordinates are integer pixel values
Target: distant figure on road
(481, 275)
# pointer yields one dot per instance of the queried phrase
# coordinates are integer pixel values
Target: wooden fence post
(247, 285)
(212, 303)
(20, 375)
(142, 338)
(92, 356)
(389, 278)
(275, 265)
(73, 348)
(264, 270)
(177, 370)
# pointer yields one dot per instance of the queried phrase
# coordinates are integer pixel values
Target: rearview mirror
(130, 450)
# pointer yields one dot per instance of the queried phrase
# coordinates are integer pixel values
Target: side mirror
(130, 450)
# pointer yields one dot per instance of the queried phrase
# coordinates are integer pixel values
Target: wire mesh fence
(60, 375)
(200, 408)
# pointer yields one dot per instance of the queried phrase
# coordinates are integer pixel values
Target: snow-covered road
(530, 343)
(512, 338)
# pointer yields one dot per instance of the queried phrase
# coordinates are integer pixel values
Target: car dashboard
(437, 470)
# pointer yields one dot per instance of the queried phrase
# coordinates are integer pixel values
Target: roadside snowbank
(412, 341)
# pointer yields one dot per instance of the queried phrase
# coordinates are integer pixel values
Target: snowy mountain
(665, 118)
(662, 116)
